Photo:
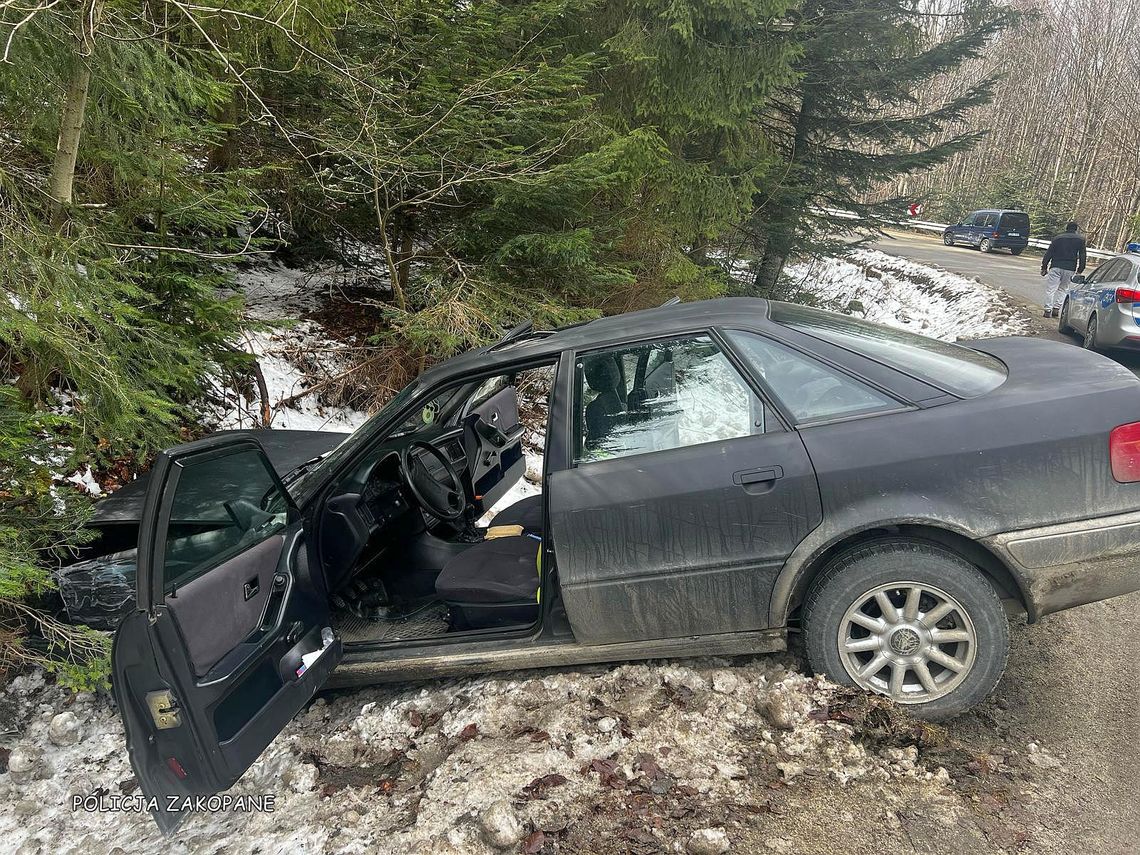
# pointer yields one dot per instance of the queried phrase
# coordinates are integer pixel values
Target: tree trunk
(61, 183)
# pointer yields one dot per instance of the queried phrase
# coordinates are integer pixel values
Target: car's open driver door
(231, 636)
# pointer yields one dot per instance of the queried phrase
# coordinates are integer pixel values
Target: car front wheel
(909, 620)
(948, 239)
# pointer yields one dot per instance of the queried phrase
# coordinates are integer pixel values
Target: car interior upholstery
(401, 537)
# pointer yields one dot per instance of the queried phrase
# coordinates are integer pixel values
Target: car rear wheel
(1090, 334)
(909, 620)
(1016, 250)
(1063, 321)
(948, 239)
(986, 245)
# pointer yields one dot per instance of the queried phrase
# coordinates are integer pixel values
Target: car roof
(646, 323)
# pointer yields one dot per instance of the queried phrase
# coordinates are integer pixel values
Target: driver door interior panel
(230, 599)
(492, 437)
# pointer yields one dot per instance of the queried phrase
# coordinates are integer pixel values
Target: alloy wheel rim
(910, 641)
(1090, 336)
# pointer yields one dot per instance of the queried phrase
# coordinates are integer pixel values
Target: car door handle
(766, 475)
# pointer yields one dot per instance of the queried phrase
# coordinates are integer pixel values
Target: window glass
(429, 414)
(660, 396)
(811, 390)
(221, 506)
(987, 220)
(953, 367)
(969, 221)
(1014, 221)
(1117, 270)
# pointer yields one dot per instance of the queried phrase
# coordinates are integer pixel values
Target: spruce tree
(849, 123)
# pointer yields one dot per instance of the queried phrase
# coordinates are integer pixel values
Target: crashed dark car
(713, 474)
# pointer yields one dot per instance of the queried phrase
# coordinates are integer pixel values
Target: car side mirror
(1078, 279)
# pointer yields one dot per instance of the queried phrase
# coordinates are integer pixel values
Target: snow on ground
(284, 379)
(903, 293)
(697, 756)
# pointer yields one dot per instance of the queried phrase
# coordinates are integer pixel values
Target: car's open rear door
(231, 636)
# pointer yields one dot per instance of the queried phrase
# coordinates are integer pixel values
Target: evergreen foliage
(851, 121)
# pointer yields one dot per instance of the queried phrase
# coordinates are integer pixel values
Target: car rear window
(1015, 222)
(953, 368)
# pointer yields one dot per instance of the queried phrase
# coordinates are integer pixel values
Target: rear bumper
(1061, 566)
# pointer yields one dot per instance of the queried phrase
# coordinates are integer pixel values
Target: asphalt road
(1019, 276)
(1072, 683)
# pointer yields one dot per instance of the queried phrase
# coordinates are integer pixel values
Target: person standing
(1064, 257)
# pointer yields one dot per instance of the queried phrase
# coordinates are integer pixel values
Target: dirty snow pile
(902, 293)
(697, 757)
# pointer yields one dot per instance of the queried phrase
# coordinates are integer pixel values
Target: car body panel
(1075, 563)
(668, 544)
(1117, 324)
(210, 665)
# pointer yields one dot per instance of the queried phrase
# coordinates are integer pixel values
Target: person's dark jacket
(1066, 251)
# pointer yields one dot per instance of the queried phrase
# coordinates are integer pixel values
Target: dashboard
(372, 507)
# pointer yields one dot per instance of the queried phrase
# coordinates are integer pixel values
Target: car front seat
(604, 377)
(525, 512)
(494, 583)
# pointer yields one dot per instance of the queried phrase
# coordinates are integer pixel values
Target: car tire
(986, 245)
(1016, 250)
(948, 239)
(1063, 319)
(1090, 334)
(975, 625)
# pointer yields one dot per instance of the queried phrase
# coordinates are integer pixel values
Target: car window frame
(904, 405)
(160, 590)
(572, 355)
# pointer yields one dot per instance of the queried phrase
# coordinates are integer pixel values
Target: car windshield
(298, 485)
(951, 367)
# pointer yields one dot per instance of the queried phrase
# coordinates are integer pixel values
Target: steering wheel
(443, 500)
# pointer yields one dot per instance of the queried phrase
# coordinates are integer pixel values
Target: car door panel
(221, 655)
(671, 543)
(230, 599)
(493, 438)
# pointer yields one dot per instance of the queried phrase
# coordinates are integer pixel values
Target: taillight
(997, 234)
(1127, 295)
(1124, 452)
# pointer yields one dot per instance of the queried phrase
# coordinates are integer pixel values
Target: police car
(1104, 307)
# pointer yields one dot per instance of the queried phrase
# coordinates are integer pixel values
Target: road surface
(1019, 276)
(1073, 680)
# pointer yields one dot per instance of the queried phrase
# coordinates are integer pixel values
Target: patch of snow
(84, 479)
(902, 293)
(465, 765)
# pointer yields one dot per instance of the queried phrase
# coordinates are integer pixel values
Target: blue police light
(1133, 247)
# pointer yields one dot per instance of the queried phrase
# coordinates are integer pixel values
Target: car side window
(987, 220)
(809, 389)
(970, 220)
(222, 505)
(1109, 271)
(659, 396)
(1119, 271)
